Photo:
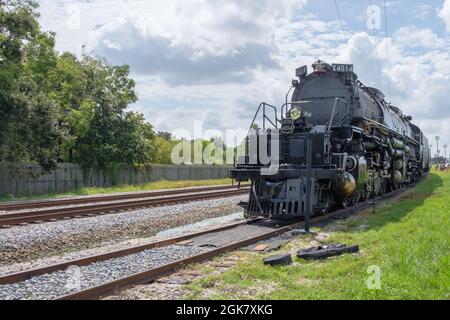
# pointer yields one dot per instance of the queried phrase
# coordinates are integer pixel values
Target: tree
(56, 108)
(163, 149)
(29, 129)
(113, 135)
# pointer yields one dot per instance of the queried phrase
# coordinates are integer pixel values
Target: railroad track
(40, 216)
(64, 202)
(238, 238)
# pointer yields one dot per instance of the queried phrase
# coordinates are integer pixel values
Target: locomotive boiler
(335, 143)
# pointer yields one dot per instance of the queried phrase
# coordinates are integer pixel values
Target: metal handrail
(333, 112)
(263, 105)
(265, 117)
(284, 114)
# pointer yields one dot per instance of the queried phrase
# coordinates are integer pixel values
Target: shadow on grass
(394, 210)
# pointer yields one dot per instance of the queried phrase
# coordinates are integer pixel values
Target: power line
(387, 44)
(343, 31)
(361, 8)
(376, 48)
(364, 14)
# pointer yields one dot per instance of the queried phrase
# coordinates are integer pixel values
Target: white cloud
(415, 81)
(195, 42)
(207, 29)
(215, 61)
(178, 61)
(444, 14)
(393, 3)
(423, 11)
(413, 37)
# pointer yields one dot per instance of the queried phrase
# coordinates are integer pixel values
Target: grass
(407, 239)
(157, 185)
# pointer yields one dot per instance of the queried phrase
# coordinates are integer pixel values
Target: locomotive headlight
(295, 113)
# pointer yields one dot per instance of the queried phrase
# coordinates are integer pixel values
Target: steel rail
(27, 274)
(163, 270)
(154, 273)
(72, 212)
(62, 202)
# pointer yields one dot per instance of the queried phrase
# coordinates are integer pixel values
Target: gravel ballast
(118, 201)
(165, 234)
(24, 243)
(73, 279)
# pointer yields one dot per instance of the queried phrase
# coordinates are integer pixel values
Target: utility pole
(431, 152)
(437, 146)
(445, 152)
(309, 191)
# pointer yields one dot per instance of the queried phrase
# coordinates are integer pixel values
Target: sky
(214, 61)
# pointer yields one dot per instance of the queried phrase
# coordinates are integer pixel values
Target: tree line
(57, 107)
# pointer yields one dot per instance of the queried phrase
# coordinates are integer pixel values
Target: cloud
(209, 42)
(225, 106)
(416, 80)
(444, 14)
(393, 3)
(423, 11)
(180, 63)
(413, 37)
(215, 61)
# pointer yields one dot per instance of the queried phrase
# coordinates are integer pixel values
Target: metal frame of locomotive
(339, 143)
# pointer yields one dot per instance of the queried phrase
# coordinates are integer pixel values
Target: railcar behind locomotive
(337, 142)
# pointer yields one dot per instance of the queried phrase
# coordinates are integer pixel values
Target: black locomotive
(337, 142)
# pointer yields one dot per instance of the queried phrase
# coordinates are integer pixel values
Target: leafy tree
(113, 135)
(29, 129)
(163, 149)
(59, 107)
(67, 85)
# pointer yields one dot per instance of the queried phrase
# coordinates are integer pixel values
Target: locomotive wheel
(349, 201)
(383, 189)
(343, 202)
(367, 195)
(392, 186)
(346, 202)
(420, 174)
(324, 212)
(327, 208)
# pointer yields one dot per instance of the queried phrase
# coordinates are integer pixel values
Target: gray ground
(60, 283)
(25, 243)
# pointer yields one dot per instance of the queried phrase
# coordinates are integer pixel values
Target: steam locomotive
(335, 143)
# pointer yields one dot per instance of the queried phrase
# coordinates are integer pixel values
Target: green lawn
(408, 239)
(163, 184)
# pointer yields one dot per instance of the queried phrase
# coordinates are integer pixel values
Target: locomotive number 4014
(342, 67)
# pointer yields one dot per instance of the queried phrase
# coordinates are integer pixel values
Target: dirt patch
(173, 287)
